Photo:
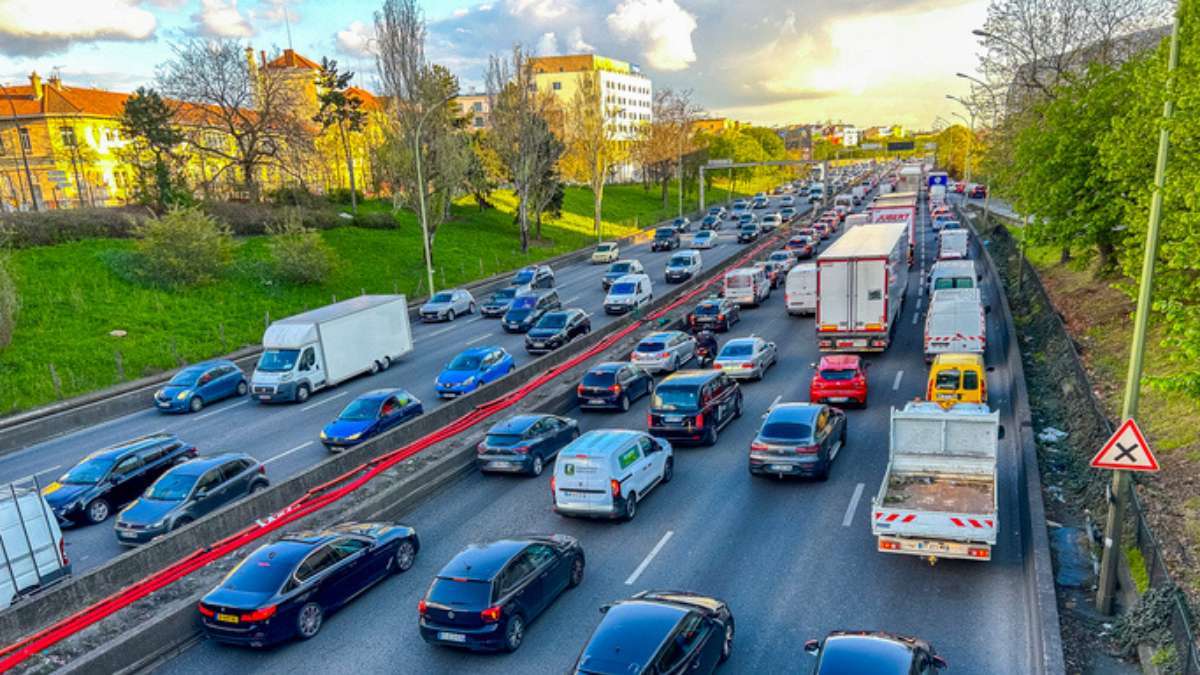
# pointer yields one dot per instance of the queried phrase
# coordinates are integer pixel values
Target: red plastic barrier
(316, 498)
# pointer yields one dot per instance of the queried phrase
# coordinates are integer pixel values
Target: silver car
(445, 305)
(747, 357)
(665, 351)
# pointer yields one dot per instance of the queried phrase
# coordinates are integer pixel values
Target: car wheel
(471, 308)
(737, 408)
(669, 470)
(257, 488)
(514, 635)
(182, 521)
(406, 555)
(674, 365)
(727, 645)
(242, 388)
(386, 362)
(710, 437)
(538, 466)
(302, 393)
(630, 507)
(576, 572)
(196, 404)
(624, 403)
(309, 620)
(823, 474)
(450, 315)
(97, 511)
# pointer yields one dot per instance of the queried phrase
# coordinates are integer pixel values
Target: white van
(955, 323)
(747, 286)
(846, 200)
(952, 245)
(800, 292)
(604, 473)
(953, 274)
(630, 292)
(33, 555)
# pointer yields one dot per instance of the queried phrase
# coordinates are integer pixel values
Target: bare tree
(668, 138)
(521, 135)
(591, 144)
(233, 110)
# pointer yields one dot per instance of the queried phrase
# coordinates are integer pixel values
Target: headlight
(285, 377)
(469, 381)
(159, 394)
(323, 436)
(161, 523)
(354, 437)
(181, 395)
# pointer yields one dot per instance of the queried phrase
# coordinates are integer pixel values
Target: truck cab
(287, 368)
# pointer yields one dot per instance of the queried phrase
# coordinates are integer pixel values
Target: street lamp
(970, 138)
(987, 199)
(421, 189)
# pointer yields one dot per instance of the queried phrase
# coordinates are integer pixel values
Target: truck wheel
(385, 363)
(196, 404)
(302, 393)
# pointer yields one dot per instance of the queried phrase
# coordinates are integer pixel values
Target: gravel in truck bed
(953, 495)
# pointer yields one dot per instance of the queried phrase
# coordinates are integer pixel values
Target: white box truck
(861, 281)
(897, 207)
(953, 244)
(955, 323)
(326, 346)
(32, 556)
(938, 497)
(800, 289)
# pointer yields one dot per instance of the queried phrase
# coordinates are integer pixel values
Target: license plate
(451, 637)
(264, 397)
(673, 419)
(781, 468)
(228, 618)
(838, 399)
(125, 535)
(596, 401)
(501, 465)
(164, 404)
(537, 345)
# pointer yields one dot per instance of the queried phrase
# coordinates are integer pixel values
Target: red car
(801, 244)
(840, 378)
(960, 187)
(978, 192)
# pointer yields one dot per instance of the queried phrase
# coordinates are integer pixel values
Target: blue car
(370, 415)
(285, 589)
(200, 384)
(472, 369)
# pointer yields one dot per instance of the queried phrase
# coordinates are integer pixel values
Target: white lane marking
(571, 299)
(649, 557)
(36, 474)
(325, 400)
(858, 490)
(453, 325)
(221, 410)
(896, 383)
(916, 317)
(776, 401)
(479, 338)
(288, 452)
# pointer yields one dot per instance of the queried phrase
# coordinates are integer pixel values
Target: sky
(770, 62)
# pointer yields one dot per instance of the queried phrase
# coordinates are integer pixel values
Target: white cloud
(32, 27)
(541, 10)
(221, 18)
(461, 12)
(356, 39)
(548, 44)
(275, 11)
(577, 44)
(661, 27)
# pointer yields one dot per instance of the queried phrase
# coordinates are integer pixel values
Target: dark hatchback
(487, 595)
(798, 439)
(496, 304)
(873, 653)
(525, 443)
(527, 309)
(285, 589)
(613, 384)
(187, 492)
(717, 314)
(113, 477)
(665, 239)
(748, 232)
(659, 632)
(556, 329)
(693, 406)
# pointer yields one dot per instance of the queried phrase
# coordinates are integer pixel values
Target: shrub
(10, 303)
(375, 220)
(298, 254)
(342, 195)
(253, 219)
(45, 228)
(296, 197)
(183, 247)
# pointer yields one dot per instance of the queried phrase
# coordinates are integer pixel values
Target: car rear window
(738, 281)
(619, 268)
(601, 378)
(837, 374)
(465, 593)
(786, 431)
(524, 302)
(648, 347)
(675, 398)
(502, 440)
(738, 349)
(664, 233)
(263, 572)
(708, 310)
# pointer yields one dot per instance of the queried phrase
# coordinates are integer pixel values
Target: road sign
(901, 145)
(1127, 449)
(938, 179)
(871, 146)
(720, 162)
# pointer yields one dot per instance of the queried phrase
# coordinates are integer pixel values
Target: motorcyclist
(706, 346)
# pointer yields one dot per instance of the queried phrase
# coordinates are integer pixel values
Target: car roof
(662, 335)
(134, 445)
(743, 340)
(517, 424)
(607, 367)
(630, 634)
(378, 394)
(630, 277)
(603, 442)
(867, 653)
(690, 377)
(836, 361)
(477, 351)
(958, 359)
(197, 466)
(482, 562)
(793, 412)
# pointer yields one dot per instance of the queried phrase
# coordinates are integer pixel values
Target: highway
(793, 559)
(285, 436)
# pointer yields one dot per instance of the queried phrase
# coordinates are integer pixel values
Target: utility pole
(421, 190)
(1115, 522)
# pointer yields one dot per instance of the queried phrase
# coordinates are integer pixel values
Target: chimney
(35, 81)
(262, 57)
(250, 62)
(56, 81)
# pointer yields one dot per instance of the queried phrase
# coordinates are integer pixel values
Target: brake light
(62, 551)
(981, 553)
(716, 366)
(205, 611)
(700, 421)
(259, 614)
(615, 486)
(889, 545)
(579, 390)
(758, 447)
(521, 449)
(422, 606)
(747, 365)
(262, 469)
(616, 388)
(720, 317)
(649, 420)
(491, 614)
(806, 450)
(552, 485)
(664, 355)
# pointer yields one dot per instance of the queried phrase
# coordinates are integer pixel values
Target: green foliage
(149, 122)
(375, 220)
(295, 196)
(10, 303)
(343, 195)
(298, 254)
(24, 229)
(1137, 568)
(184, 247)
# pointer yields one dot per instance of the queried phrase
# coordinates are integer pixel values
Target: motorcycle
(704, 357)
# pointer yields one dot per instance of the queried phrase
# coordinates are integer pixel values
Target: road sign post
(1133, 379)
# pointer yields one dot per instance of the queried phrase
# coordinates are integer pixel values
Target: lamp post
(24, 157)
(970, 138)
(421, 190)
(987, 198)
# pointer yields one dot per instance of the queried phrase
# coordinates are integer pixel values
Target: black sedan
(716, 314)
(613, 384)
(525, 443)
(484, 598)
(659, 632)
(798, 439)
(873, 652)
(556, 329)
(285, 589)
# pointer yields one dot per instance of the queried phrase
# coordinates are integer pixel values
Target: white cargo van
(630, 292)
(326, 346)
(955, 323)
(845, 200)
(953, 274)
(605, 473)
(800, 292)
(747, 286)
(32, 556)
(952, 244)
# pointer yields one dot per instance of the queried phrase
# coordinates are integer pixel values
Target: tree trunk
(523, 217)
(1065, 255)
(666, 183)
(537, 221)
(1105, 258)
(349, 169)
(251, 180)
(597, 199)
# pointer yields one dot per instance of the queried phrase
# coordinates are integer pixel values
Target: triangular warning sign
(1127, 449)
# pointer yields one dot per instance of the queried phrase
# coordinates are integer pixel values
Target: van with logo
(957, 378)
(605, 473)
(747, 286)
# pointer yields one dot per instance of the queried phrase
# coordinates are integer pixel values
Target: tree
(342, 110)
(669, 136)
(484, 171)
(234, 111)
(521, 135)
(591, 144)
(149, 122)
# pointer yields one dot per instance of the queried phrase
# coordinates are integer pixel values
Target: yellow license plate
(228, 618)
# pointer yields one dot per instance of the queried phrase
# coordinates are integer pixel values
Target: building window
(478, 122)
(556, 85)
(477, 106)
(25, 144)
(68, 136)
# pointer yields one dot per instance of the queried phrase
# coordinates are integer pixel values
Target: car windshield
(624, 288)
(786, 430)
(465, 362)
(465, 593)
(555, 320)
(735, 349)
(649, 347)
(605, 247)
(664, 233)
(502, 440)
(515, 314)
(88, 472)
(185, 378)
(682, 261)
(172, 487)
(780, 256)
(599, 378)
(522, 277)
(441, 297)
(838, 374)
(675, 398)
(263, 572)
(619, 268)
(360, 410)
(505, 294)
(278, 360)
(524, 302)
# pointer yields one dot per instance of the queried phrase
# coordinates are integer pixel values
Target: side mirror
(978, 277)
(987, 309)
(605, 607)
(812, 647)
(939, 662)
(991, 369)
(1000, 433)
